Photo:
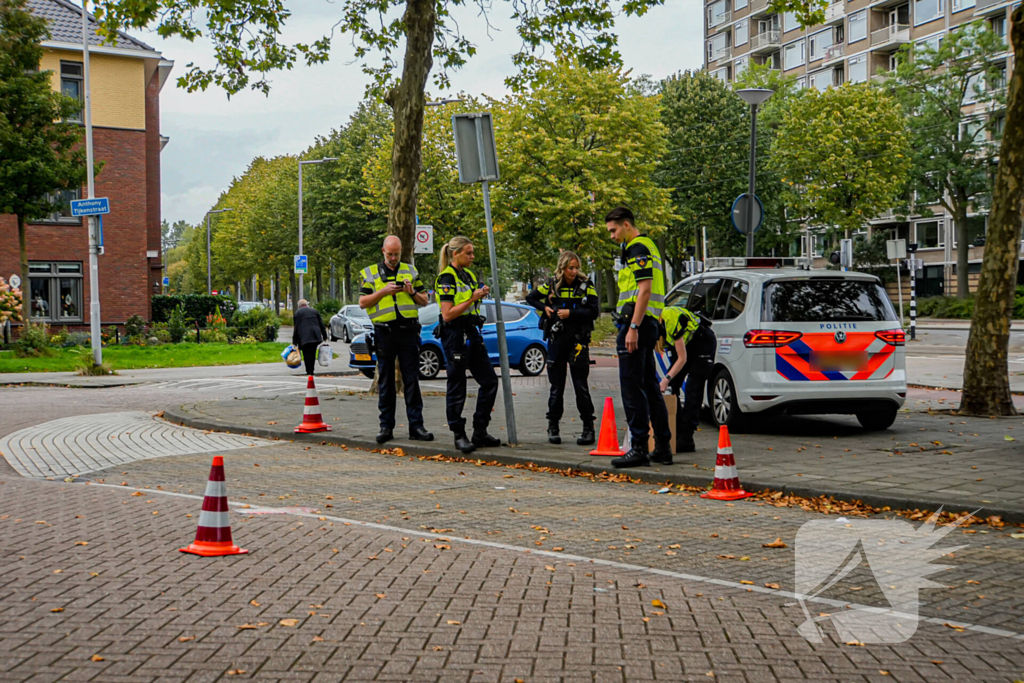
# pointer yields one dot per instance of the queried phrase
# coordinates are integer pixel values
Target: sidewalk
(955, 323)
(926, 460)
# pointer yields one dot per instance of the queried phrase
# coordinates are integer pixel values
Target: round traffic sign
(739, 214)
(15, 281)
(422, 236)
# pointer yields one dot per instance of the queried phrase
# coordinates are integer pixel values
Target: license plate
(831, 362)
(363, 356)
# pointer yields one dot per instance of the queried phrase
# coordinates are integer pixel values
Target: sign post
(897, 249)
(477, 157)
(424, 243)
(913, 263)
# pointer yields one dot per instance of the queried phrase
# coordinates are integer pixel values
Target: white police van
(793, 340)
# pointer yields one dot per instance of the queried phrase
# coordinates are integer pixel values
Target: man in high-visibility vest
(641, 299)
(391, 294)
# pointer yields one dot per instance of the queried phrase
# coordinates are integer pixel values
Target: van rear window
(825, 300)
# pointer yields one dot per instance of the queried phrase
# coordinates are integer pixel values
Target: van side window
(737, 299)
(709, 289)
(723, 301)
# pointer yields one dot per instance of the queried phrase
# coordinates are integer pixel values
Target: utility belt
(401, 323)
(464, 323)
(624, 317)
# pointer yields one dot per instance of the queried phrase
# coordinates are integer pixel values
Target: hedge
(197, 306)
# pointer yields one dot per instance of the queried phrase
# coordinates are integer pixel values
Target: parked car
(244, 306)
(527, 350)
(348, 323)
(798, 341)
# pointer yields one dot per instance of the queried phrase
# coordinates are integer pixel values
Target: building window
(976, 230)
(722, 74)
(960, 5)
(717, 13)
(858, 28)
(718, 47)
(71, 84)
(821, 80)
(61, 201)
(794, 55)
(819, 43)
(930, 235)
(56, 291)
(926, 10)
(740, 65)
(739, 4)
(740, 33)
(859, 69)
(998, 26)
(997, 126)
(789, 22)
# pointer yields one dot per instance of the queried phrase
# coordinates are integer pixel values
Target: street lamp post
(302, 289)
(753, 97)
(209, 269)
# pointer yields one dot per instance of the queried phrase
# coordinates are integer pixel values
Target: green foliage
(34, 342)
(163, 356)
(134, 326)
(10, 302)
(194, 306)
(176, 324)
(945, 307)
(86, 367)
(327, 308)
(844, 154)
(260, 323)
(870, 256)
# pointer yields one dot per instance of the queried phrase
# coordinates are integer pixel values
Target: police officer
(570, 307)
(391, 294)
(459, 293)
(641, 299)
(691, 348)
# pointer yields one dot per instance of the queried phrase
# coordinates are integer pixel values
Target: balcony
(891, 36)
(758, 7)
(835, 12)
(720, 56)
(720, 21)
(833, 54)
(986, 8)
(765, 42)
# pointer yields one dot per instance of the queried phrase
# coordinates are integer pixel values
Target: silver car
(348, 323)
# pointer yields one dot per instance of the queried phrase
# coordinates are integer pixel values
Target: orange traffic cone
(311, 418)
(727, 480)
(608, 442)
(213, 537)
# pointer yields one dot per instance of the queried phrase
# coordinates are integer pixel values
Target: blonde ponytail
(448, 252)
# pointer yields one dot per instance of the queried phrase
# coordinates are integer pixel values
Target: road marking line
(1013, 635)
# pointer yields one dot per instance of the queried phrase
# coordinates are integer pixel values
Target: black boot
(637, 457)
(553, 436)
(462, 443)
(662, 454)
(481, 439)
(384, 435)
(587, 437)
(420, 434)
(684, 443)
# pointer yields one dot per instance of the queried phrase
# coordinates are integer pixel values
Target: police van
(792, 340)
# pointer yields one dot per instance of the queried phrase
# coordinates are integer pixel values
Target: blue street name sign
(167, 282)
(90, 207)
(301, 264)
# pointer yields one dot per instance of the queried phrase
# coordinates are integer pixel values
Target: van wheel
(877, 420)
(367, 372)
(724, 408)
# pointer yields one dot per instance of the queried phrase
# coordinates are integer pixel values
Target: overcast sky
(213, 138)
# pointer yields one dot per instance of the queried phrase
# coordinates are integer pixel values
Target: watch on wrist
(634, 326)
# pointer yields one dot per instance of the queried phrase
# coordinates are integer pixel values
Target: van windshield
(825, 300)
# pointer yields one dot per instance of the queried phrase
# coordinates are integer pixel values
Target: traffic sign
(896, 249)
(739, 214)
(475, 149)
(90, 207)
(15, 281)
(301, 264)
(914, 263)
(424, 240)
(167, 282)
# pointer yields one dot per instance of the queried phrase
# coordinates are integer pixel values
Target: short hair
(620, 215)
(303, 303)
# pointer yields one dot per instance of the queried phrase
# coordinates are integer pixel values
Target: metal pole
(302, 289)
(750, 186)
(209, 278)
(913, 300)
(899, 289)
(506, 380)
(90, 222)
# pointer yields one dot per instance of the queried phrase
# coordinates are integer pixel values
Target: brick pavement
(128, 607)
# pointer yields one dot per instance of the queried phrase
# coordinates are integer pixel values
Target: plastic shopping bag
(324, 354)
(287, 351)
(292, 357)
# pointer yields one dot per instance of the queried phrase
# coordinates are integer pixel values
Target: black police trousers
(464, 350)
(700, 359)
(562, 356)
(641, 395)
(402, 344)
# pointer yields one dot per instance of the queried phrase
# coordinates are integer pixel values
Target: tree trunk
(294, 294)
(963, 287)
(26, 284)
(277, 294)
(613, 296)
(319, 274)
(986, 380)
(407, 100)
(348, 281)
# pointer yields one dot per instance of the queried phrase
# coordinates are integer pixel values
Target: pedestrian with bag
(308, 333)
(641, 299)
(691, 345)
(459, 294)
(391, 295)
(570, 306)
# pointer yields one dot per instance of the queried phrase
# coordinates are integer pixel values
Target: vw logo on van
(840, 337)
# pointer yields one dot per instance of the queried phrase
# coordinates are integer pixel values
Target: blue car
(527, 349)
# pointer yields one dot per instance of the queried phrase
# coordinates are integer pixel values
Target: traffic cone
(311, 418)
(608, 442)
(727, 480)
(213, 537)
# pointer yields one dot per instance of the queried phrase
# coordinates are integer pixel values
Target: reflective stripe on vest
(463, 291)
(390, 307)
(673, 317)
(628, 287)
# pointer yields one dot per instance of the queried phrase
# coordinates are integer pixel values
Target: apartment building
(125, 82)
(858, 39)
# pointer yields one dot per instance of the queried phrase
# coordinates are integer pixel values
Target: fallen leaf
(883, 672)
(440, 546)
(234, 672)
(777, 543)
(857, 588)
(772, 585)
(254, 603)
(271, 423)
(936, 661)
(317, 639)
(659, 603)
(747, 583)
(675, 546)
(452, 622)
(96, 658)
(138, 493)
(953, 626)
(57, 609)
(549, 568)
(288, 622)
(438, 648)
(744, 559)
(1008, 438)
(727, 557)
(855, 642)
(185, 639)
(380, 595)
(247, 626)
(559, 549)
(58, 571)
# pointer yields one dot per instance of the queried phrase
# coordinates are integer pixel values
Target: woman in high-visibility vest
(459, 294)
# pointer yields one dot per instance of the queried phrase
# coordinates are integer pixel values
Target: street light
(441, 103)
(753, 97)
(302, 290)
(209, 278)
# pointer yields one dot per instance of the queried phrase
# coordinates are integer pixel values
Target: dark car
(527, 349)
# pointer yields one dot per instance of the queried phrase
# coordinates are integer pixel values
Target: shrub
(34, 342)
(108, 335)
(86, 367)
(287, 317)
(945, 307)
(10, 302)
(61, 337)
(134, 326)
(78, 339)
(215, 321)
(176, 325)
(246, 339)
(327, 308)
(196, 306)
(260, 323)
(213, 336)
(163, 335)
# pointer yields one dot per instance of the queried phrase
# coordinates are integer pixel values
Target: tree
(246, 36)
(952, 155)
(37, 138)
(844, 152)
